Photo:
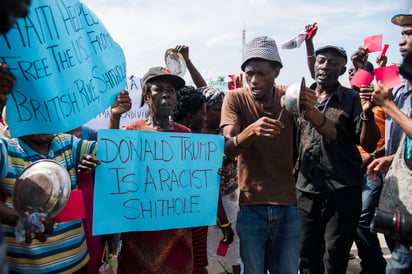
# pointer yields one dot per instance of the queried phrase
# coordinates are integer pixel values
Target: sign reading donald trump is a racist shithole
(155, 180)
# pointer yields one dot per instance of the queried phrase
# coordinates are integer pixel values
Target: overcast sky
(213, 30)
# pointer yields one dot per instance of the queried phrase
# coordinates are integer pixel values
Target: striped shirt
(65, 250)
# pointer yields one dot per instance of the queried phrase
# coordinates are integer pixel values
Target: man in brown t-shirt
(263, 142)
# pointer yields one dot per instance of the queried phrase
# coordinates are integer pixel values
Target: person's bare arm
(8, 215)
(370, 132)
(194, 73)
(310, 50)
(382, 96)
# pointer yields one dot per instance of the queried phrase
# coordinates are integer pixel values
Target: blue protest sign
(155, 180)
(67, 67)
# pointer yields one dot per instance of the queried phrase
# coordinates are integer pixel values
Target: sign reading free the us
(155, 180)
(67, 68)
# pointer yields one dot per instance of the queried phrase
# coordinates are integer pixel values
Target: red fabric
(199, 239)
(85, 184)
(74, 209)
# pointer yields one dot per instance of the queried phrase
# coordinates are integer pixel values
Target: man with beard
(330, 176)
(397, 104)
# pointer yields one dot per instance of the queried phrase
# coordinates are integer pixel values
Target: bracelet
(310, 56)
(362, 116)
(236, 142)
(228, 224)
(322, 124)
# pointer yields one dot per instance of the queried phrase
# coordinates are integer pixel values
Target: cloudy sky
(213, 29)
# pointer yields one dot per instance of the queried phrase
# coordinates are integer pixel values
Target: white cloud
(212, 29)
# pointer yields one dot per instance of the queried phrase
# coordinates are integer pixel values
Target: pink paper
(222, 249)
(373, 43)
(232, 86)
(389, 76)
(361, 77)
(385, 48)
(74, 209)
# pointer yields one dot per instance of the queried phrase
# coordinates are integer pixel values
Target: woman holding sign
(167, 251)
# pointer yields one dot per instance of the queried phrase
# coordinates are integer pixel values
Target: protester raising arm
(310, 51)
(359, 58)
(194, 73)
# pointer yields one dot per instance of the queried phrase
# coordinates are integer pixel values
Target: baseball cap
(402, 19)
(160, 72)
(341, 51)
(262, 47)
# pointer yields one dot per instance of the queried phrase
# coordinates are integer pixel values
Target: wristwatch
(372, 155)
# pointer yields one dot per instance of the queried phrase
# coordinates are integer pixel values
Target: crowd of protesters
(297, 189)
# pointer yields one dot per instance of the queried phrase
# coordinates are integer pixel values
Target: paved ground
(353, 268)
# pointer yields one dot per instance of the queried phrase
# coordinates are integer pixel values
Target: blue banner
(155, 180)
(67, 67)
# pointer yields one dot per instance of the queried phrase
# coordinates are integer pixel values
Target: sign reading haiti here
(155, 180)
(67, 67)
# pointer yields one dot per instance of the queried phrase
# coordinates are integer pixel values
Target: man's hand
(237, 84)
(267, 127)
(381, 62)
(184, 51)
(365, 94)
(239, 81)
(228, 235)
(308, 100)
(48, 228)
(359, 58)
(382, 95)
(379, 166)
(308, 28)
(88, 163)
(123, 103)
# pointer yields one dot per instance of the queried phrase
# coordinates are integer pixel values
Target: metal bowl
(175, 62)
(292, 97)
(44, 187)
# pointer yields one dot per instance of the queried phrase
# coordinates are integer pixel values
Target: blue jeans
(401, 260)
(369, 249)
(281, 226)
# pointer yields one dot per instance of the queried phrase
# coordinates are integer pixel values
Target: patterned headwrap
(213, 95)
